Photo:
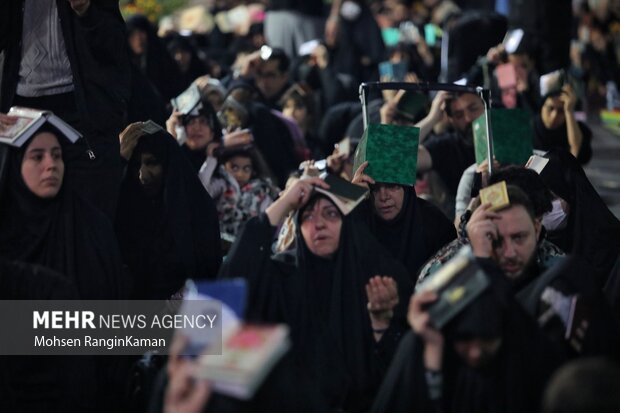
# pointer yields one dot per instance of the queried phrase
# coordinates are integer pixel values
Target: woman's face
(138, 42)
(320, 226)
(42, 166)
(151, 174)
(199, 133)
(552, 113)
(297, 111)
(388, 200)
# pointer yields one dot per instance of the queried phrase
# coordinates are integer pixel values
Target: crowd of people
(228, 188)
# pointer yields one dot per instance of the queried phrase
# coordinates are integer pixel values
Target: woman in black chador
(166, 221)
(345, 321)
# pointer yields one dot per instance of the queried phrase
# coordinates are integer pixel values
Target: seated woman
(43, 221)
(580, 222)
(198, 132)
(166, 222)
(556, 126)
(240, 186)
(340, 292)
(410, 228)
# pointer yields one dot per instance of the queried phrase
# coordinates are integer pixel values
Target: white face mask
(557, 218)
(350, 10)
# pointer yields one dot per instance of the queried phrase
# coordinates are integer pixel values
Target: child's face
(240, 167)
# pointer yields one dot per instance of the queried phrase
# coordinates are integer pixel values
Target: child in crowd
(237, 179)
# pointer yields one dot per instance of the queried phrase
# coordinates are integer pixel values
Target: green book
(512, 136)
(391, 152)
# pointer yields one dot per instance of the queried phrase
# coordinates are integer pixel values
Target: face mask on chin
(557, 218)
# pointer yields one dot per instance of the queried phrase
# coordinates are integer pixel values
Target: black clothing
(43, 383)
(172, 236)
(64, 233)
(324, 302)
(512, 382)
(547, 139)
(96, 47)
(309, 7)
(415, 235)
(451, 154)
(156, 64)
(592, 231)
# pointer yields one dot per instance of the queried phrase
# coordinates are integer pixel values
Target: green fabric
(512, 136)
(391, 152)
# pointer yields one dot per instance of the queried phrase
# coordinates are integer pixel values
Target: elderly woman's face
(42, 167)
(388, 200)
(320, 226)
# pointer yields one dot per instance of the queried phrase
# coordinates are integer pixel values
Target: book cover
(391, 152)
(187, 101)
(247, 357)
(457, 283)
(29, 121)
(343, 193)
(496, 195)
(512, 136)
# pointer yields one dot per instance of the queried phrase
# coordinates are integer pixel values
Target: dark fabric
(415, 235)
(42, 383)
(324, 303)
(513, 382)
(156, 64)
(592, 232)
(451, 153)
(569, 277)
(174, 236)
(357, 39)
(97, 51)
(547, 139)
(65, 233)
(309, 7)
(274, 141)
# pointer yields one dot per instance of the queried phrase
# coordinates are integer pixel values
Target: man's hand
(360, 178)
(80, 7)
(482, 231)
(438, 106)
(331, 30)
(483, 169)
(184, 393)
(320, 57)
(382, 293)
(420, 322)
(249, 64)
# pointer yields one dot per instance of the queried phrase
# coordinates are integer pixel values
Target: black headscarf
(512, 382)
(175, 235)
(548, 139)
(418, 231)
(592, 232)
(198, 156)
(64, 233)
(324, 302)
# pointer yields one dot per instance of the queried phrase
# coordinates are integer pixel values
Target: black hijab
(324, 303)
(416, 234)
(64, 233)
(512, 382)
(592, 232)
(548, 139)
(173, 236)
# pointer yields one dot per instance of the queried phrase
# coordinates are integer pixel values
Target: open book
(28, 123)
(248, 355)
(457, 283)
(246, 352)
(345, 195)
